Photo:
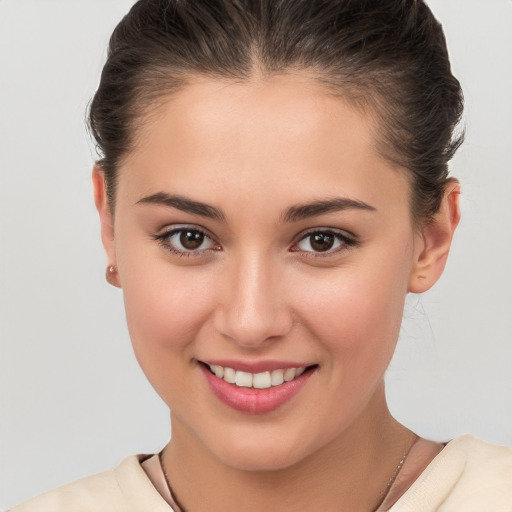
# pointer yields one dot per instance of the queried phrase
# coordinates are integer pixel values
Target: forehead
(259, 137)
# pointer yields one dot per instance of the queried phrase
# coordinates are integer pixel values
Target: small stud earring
(111, 275)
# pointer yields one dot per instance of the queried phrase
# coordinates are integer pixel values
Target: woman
(273, 183)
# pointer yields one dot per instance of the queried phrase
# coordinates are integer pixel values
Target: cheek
(165, 310)
(356, 316)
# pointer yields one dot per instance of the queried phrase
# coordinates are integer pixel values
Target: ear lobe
(106, 221)
(434, 241)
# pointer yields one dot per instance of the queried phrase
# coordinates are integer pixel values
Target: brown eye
(187, 241)
(321, 241)
(191, 239)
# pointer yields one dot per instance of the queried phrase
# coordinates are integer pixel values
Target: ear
(434, 241)
(107, 223)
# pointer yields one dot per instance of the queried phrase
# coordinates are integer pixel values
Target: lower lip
(251, 400)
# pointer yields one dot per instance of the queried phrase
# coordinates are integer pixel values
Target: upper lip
(254, 366)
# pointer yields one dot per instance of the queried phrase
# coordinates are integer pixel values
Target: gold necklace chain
(382, 495)
(177, 507)
(394, 476)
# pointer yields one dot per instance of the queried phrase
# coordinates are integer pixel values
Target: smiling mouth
(262, 380)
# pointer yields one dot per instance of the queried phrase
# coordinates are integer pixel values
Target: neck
(349, 474)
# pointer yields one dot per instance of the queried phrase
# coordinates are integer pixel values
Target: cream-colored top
(468, 475)
(155, 473)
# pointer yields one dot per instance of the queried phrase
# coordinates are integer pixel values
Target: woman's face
(257, 229)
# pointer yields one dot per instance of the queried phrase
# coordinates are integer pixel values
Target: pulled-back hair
(386, 56)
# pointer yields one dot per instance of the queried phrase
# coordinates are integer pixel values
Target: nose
(253, 309)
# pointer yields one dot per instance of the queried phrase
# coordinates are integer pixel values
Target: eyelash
(345, 242)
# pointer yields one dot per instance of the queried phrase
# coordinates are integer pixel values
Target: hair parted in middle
(388, 57)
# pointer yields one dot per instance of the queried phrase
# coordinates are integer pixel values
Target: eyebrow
(320, 207)
(293, 214)
(184, 204)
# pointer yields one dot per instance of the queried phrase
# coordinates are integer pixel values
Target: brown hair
(388, 55)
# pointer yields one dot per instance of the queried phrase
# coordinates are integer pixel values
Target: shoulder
(125, 488)
(469, 474)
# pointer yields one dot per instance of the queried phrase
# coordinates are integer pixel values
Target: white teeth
(263, 380)
(219, 371)
(229, 375)
(243, 379)
(289, 374)
(277, 377)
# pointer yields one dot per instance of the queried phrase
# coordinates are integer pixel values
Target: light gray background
(73, 400)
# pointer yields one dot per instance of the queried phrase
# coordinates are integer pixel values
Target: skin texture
(258, 292)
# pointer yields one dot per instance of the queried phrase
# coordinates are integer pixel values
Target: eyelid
(325, 229)
(173, 228)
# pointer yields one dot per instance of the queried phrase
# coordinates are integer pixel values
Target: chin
(259, 460)
(258, 453)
